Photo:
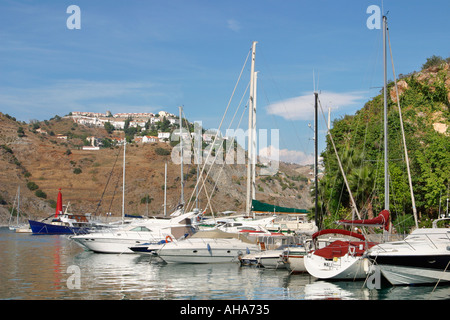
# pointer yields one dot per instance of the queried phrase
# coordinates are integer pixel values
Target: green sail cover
(265, 207)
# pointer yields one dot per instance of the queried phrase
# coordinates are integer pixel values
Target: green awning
(265, 207)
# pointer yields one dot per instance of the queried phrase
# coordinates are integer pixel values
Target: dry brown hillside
(92, 180)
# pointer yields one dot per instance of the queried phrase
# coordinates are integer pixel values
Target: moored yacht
(272, 252)
(64, 222)
(213, 246)
(423, 257)
(119, 240)
(343, 258)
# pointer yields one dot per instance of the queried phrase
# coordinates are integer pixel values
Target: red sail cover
(382, 221)
(59, 204)
(338, 231)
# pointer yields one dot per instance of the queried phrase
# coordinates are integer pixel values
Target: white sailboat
(343, 258)
(18, 227)
(423, 257)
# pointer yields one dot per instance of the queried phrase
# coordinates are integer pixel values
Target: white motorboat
(153, 231)
(423, 257)
(213, 246)
(268, 259)
(273, 249)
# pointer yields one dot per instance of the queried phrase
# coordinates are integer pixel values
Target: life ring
(169, 237)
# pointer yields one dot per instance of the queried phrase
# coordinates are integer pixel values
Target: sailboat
(18, 227)
(342, 258)
(423, 257)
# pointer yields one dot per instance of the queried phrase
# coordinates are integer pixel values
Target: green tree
(434, 170)
(32, 186)
(108, 127)
(41, 194)
(433, 61)
(20, 132)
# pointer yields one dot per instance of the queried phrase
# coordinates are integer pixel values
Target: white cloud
(233, 25)
(286, 155)
(302, 107)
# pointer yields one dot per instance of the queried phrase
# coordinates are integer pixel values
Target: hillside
(43, 163)
(424, 100)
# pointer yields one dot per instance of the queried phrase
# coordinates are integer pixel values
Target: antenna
(314, 81)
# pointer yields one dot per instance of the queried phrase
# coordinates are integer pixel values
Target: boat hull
(214, 251)
(423, 257)
(295, 262)
(270, 259)
(38, 227)
(347, 267)
(111, 244)
(413, 270)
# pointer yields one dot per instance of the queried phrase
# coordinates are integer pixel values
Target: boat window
(141, 229)
(247, 228)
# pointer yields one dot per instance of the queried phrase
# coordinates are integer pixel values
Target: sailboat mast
(254, 151)
(386, 168)
(181, 155)
(18, 205)
(316, 158)
(165, 189)
(123, 181)
(250, 133)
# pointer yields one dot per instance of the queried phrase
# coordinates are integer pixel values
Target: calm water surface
(44, 267)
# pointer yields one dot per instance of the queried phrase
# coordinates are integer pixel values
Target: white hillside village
(149, 127)
(118, 120)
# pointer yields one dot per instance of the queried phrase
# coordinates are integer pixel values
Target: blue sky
(147, 56)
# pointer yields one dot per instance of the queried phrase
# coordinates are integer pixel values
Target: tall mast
(123, 182)
(386, 168)
(165, 189)
(254, 151)
(316, 157)
(250, 133)
(181, 154)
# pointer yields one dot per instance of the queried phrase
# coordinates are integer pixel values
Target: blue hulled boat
(62, 223)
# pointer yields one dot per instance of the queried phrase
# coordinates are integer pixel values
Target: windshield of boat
(141, 229)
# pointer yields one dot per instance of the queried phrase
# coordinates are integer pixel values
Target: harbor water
(53, 267)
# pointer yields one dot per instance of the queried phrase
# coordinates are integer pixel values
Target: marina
(197, 207)
(46, 267)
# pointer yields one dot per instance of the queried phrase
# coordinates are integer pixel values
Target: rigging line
(403, 134)
(232, 148)
(217, 153)
(107, 182)
(114, 193)
(195, 158)
(282, 141)
(340, 165)
(203, 179)
(223, 117)
(289, 116)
